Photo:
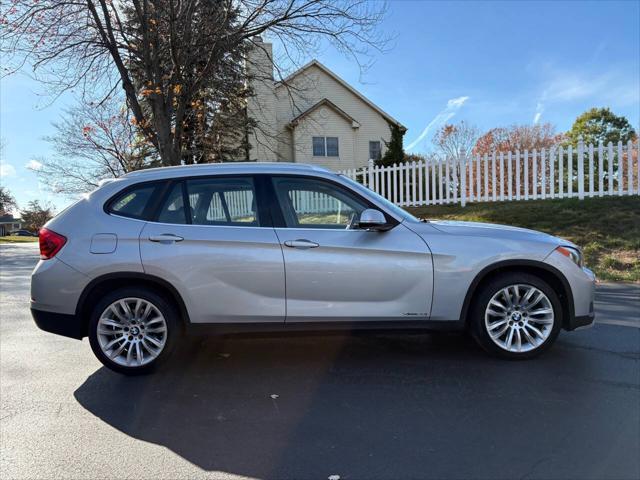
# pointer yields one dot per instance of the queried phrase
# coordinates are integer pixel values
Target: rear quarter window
(134, 202)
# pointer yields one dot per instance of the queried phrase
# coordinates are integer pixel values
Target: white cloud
(7, 170)
(611, 88)
(33, 165)
(453, 105)
(539, 111)
(457, 102)
(566, 86)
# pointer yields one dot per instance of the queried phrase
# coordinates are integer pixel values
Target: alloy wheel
(132, 332)
(519, 318)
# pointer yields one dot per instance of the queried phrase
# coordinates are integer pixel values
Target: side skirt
(323, 328)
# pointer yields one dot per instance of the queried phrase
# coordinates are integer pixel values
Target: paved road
(384, 406)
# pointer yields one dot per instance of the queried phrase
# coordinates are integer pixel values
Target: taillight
(50, 243)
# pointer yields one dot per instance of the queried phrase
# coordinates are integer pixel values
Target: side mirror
(371, 219)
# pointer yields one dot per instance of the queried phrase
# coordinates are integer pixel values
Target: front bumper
(582, 321)
(581, 285)
(59, 323)
(584, 291)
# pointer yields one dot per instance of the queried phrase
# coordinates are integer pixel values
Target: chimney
(261, 107)
(260, 59)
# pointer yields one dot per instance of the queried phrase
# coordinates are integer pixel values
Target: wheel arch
(111, 281)
(554, 277)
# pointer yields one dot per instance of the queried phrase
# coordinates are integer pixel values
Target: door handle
(166, 238)
(301, 243)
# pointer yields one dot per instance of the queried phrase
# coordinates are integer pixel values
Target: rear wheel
(133, 330)
(516, 315)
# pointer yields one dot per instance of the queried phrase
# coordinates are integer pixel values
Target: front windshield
(402, 213)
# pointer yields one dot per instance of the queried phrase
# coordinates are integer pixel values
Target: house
(312, 116)
(9, 224)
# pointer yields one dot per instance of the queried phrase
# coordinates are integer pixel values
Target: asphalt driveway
(383, 406)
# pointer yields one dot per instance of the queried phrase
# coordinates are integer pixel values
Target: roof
(319, 65)
(9, 219)
(224, 168)
(328, 103)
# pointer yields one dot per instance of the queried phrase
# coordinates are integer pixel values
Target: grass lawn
(607, 229)
(11, 239)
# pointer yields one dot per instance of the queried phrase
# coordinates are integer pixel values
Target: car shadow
(308, 407)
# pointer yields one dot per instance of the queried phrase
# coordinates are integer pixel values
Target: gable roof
(328, 103)
(331, 74)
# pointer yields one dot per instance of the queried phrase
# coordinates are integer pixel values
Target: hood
(478, 229)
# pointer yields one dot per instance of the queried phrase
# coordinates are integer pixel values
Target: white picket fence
(240, 204)
(314, 202)
(557, 172)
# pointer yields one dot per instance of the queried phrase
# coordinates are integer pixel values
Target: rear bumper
(56, 287)
(59, 323)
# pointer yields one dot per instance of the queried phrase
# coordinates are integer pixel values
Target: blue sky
(489, 63)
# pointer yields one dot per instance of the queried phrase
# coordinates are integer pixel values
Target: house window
(332, 146)
(325, 147)
(318, 147)
(375, 150)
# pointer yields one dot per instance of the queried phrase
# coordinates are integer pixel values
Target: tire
(136, 341)
(534, 322)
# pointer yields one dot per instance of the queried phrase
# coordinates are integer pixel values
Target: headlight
(572, 253)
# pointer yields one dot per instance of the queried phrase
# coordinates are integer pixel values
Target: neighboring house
(312, 116)
(9, 224)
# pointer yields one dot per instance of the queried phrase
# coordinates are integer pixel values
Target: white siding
(325, 122)
(311, 86)
(274, 106)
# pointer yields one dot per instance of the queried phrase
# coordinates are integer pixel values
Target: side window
(132, 202)
(222, 201)
(173, 210)
(314, 203)
(375, 150)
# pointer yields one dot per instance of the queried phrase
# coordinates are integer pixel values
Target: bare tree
(93, 142)
(456, 140)
(167, 55)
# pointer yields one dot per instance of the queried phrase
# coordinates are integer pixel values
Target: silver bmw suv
(284, 247)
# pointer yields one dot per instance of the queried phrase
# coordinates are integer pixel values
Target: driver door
(337, 272)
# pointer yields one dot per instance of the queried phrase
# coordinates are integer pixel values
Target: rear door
(337, 273)
(214, 243)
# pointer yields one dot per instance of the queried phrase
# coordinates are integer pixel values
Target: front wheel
(516, 316)
(132, 330)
